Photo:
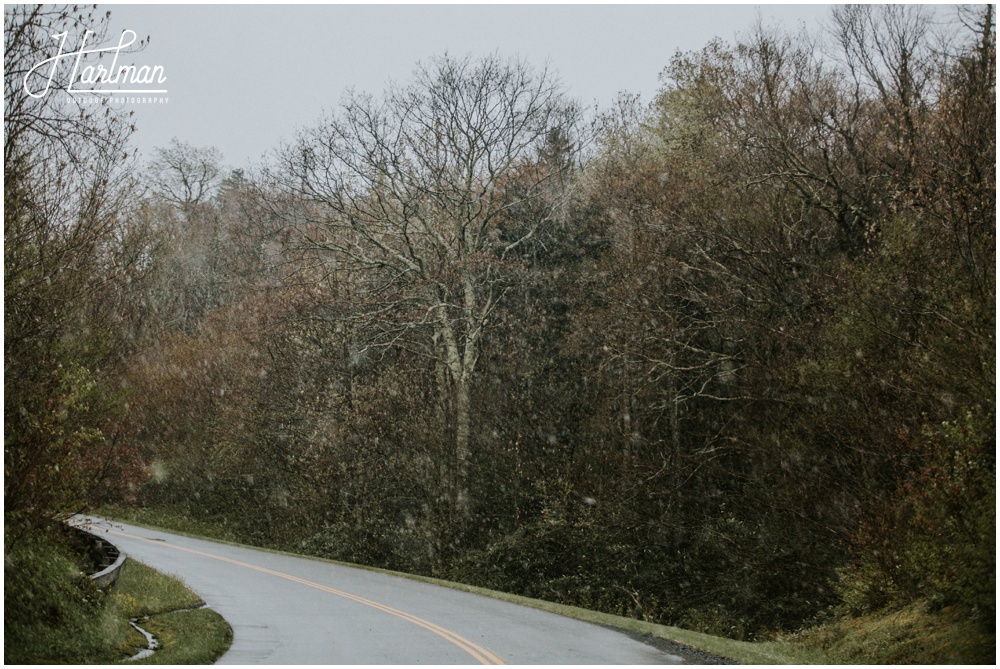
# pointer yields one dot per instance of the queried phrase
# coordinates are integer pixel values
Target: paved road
(288, 610)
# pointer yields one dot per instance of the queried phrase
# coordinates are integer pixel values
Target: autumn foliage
(723, 360)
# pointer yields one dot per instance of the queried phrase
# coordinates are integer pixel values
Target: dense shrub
(936, 539)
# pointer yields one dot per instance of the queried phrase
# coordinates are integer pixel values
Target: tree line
(723, 360)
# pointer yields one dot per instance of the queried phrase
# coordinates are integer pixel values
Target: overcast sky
(242, 77)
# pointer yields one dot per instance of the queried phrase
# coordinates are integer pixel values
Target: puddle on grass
(151, 643)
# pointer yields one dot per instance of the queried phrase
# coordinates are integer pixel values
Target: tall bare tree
(412, 189)
(185, 175)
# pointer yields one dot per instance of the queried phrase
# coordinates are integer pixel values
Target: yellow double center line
(482, 655)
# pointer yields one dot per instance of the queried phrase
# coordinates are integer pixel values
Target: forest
(723, 360)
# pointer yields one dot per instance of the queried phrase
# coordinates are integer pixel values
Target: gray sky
(242, 77)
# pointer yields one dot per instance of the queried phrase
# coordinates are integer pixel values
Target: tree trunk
(463, 431)
(457, 391)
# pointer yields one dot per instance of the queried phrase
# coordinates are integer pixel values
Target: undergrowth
(916, 633)
(54, 613)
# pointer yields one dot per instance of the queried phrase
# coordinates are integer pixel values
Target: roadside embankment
(56, 612)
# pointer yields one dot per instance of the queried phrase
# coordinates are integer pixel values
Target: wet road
(288, 610)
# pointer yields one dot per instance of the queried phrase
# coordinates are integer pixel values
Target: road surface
(289, 610)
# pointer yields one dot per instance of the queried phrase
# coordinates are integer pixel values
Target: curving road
(288, 610)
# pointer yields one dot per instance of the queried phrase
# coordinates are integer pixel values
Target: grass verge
(913, 634)
(186, 635)
(908, 635)
(54, 614)
(197, 636)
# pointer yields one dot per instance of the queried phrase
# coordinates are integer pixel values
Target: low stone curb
(109, 557)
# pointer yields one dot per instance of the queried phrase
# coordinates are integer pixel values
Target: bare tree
(413, 189)
(192, 231)
(185, 175)
(34, 123)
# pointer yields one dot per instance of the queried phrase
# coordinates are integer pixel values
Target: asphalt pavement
(292, 610)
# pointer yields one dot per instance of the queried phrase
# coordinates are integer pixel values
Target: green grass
(54, 614)
(199, 636)
(186, 635)
(906, 636)
(148, 592)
